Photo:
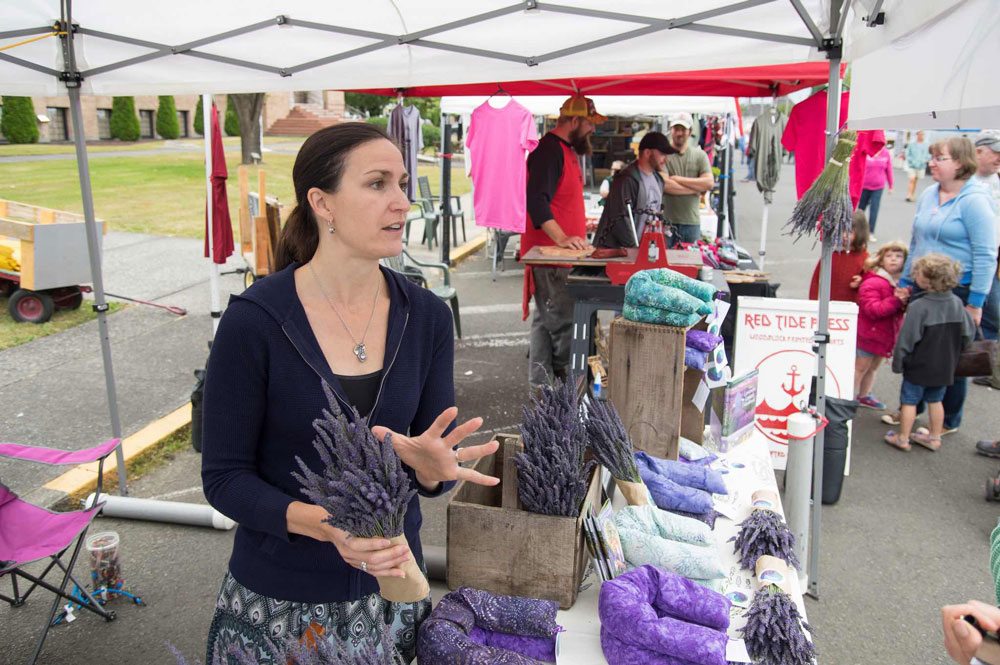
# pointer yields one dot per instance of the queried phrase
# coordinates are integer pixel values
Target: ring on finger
(457, 460)
(364, 566)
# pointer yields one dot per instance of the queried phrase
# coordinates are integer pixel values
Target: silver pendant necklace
(360, 350)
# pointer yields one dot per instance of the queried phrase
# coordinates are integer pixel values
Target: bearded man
(556, 217)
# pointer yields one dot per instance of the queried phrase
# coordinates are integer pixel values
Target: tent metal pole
(822, 338)
(446, 192)
(213, 274)
(72, 80)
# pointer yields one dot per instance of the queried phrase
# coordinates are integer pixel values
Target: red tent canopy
(766, 81)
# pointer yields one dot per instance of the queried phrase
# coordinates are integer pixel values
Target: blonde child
(881, 302)
(936, 328)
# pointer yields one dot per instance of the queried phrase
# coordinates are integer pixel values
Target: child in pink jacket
(881, 302)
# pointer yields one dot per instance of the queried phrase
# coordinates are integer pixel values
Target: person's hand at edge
(436, 458)
(961, 640)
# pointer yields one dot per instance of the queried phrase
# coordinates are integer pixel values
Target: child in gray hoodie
(936, 329)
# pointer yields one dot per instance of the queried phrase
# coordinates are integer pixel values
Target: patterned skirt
(249, 621)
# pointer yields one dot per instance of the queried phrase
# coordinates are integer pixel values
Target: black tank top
(361, 391)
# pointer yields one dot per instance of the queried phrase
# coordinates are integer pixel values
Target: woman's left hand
(976, 312)
(435, 458)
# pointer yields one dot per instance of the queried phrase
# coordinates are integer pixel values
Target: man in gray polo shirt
(690, 177)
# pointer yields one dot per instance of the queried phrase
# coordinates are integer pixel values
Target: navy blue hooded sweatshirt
(262, 392)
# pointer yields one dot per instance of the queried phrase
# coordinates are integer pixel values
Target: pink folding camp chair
(29, 533)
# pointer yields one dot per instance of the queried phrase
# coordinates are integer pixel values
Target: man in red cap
(555, 218)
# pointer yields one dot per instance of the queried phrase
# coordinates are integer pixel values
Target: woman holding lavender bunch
(329, 316)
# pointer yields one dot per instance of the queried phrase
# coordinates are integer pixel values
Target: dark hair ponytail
(320, 163)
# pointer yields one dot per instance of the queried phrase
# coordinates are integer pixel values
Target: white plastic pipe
(191, 514)
(763, 237)
(798, 484)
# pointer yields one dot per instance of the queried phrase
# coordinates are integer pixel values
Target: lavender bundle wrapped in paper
(552, 475)
(613, 449)
(764, 533)
(364, 488)
(775, 632)
(477, 627)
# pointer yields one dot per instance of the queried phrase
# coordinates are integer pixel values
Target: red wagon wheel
(30, 306)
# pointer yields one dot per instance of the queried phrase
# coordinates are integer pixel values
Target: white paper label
(700, 396)
(736, 652)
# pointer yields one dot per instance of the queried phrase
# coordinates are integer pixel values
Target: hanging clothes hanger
(503, 93)
(401, 97)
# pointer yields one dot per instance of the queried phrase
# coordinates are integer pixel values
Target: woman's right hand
(380, 557)
(960, 639)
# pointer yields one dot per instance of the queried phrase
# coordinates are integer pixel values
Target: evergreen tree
(199, 119)
(124, 121)
(232, 122)
(167, 124)
(18, 123)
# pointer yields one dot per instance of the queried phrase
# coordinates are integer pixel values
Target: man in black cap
(639, 186)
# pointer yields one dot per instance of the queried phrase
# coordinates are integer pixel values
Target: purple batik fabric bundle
(695, 358)
(685, 489)
(477, 627)
(702, 340)
(653, 617)
(697, 477)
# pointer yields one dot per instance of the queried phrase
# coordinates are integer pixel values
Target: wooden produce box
(647, 384)
(496, 545)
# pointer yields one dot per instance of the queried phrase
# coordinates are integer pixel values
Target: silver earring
(330, 228)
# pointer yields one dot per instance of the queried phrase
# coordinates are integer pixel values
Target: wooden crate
(494, 544)
(647, 384)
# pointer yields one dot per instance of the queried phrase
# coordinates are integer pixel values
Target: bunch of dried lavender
(764, 533)
(828, 200)
(363, 488)
(552, 475)
(306, 651)
(613, 449)
(774, 630)
(362, 484)
(609, 441)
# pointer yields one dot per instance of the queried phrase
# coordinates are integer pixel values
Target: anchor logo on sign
(790, 393)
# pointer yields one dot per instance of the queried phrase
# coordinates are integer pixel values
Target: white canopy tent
(940, 75)
(114, 47)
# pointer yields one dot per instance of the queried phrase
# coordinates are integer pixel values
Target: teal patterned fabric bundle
(645, 542)
(665, 297)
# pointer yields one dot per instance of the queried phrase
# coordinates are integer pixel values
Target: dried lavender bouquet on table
(552, 474)
(775, 632)
(363, 487)
(764, 533)
(613, 449)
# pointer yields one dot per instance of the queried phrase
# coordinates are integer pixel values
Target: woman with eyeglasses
(955, 217)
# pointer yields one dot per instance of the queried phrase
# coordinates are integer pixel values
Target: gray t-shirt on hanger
(406, 129)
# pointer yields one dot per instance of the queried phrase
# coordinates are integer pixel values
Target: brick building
(285, 113)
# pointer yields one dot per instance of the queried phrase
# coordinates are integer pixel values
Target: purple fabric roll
(649, 615)
(446, 635)
(698, 477)
(702, 340)
(540, 648)
(694, 358)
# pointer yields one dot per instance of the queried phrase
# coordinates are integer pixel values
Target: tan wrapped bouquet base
(407, 589)
(635, 494)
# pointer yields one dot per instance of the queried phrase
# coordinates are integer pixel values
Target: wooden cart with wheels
(43, 260)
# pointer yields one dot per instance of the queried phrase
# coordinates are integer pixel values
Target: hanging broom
(827, 205)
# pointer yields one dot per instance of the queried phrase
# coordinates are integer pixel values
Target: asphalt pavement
(909, 535)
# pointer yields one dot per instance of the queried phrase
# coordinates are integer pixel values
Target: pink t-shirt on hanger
(499, 140)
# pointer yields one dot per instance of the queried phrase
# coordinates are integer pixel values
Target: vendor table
(747, 468)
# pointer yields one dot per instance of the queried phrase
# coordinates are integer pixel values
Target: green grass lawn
(13, 333)
(157, 194)
(14, 150)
